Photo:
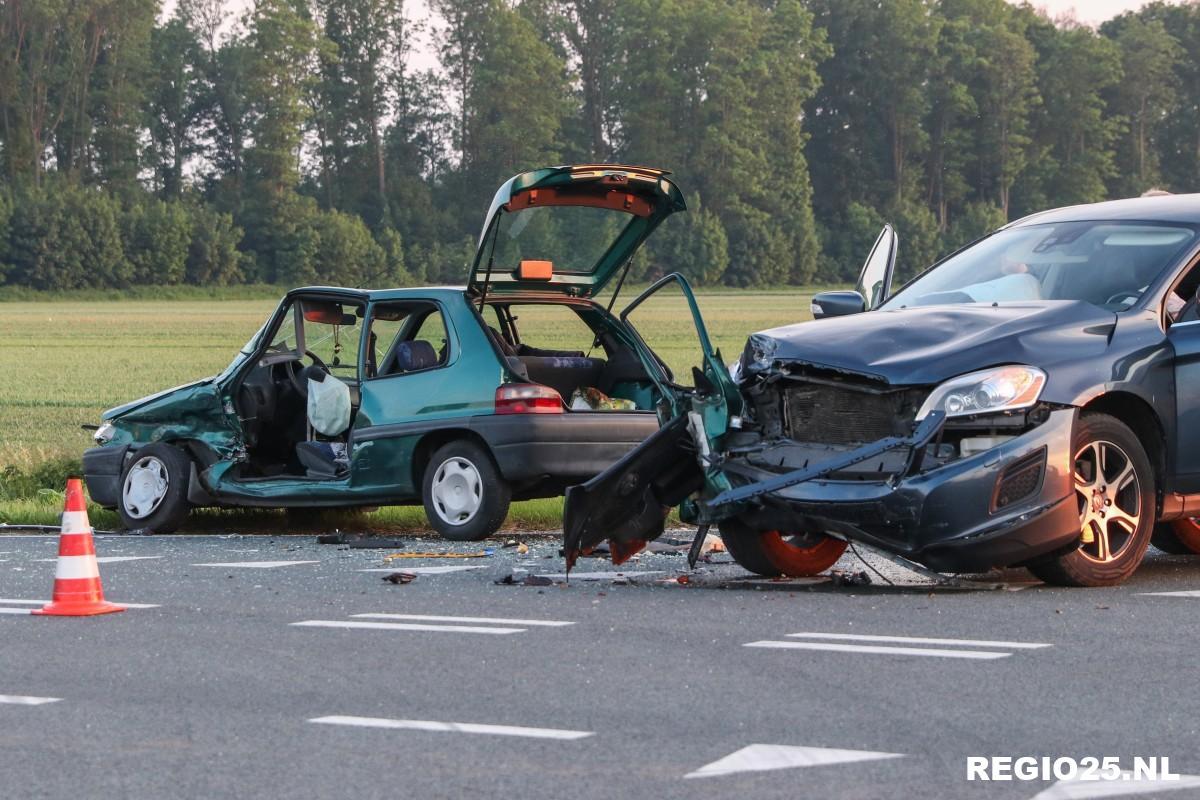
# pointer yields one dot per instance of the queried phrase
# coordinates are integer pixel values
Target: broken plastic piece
(843, 578)
(400, 577)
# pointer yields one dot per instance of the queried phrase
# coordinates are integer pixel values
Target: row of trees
(302, 142)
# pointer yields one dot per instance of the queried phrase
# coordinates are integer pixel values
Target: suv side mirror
(837, 304)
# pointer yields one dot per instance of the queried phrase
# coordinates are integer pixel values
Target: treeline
(302, 142)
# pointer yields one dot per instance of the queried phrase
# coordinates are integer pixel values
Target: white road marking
(550, 623)
(116, 559)
(1191, 593)
(23, 700)
(401, 626)
(107, 559)
(597, 576)
(858, 637)
(44, 602)
(764, 757)
(16, 610)
(1077, 789)
(896, 651)
(454, 727)
(426, 570)
(256, 564)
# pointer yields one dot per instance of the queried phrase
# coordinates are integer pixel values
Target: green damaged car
(354, 397)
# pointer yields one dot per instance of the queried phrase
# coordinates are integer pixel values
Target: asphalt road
(213, 692)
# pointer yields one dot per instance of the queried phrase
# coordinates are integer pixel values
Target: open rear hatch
(569, 229)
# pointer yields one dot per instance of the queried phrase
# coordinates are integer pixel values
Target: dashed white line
(454, 727)
(107, 559)
(44, 602)
(401, 626)
(24, 700)
(874, 650)
(550, 623)
(857, 637)
(1128, 784)
(598, 576)
(426, 570)
(256, 564)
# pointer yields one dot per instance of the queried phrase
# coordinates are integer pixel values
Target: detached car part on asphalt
(349, 397)
(1033, 399)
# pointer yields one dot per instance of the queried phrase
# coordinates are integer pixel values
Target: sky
(1090, 11)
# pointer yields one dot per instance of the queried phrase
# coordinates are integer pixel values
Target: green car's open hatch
(569, 229)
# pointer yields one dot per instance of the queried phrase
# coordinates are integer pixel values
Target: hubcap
(457, 491)
(145, 487)
(1110, 500)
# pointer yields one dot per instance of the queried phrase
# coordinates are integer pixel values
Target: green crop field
(63, 361)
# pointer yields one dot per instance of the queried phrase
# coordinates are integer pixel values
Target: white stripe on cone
(75, 522)
(76, 567)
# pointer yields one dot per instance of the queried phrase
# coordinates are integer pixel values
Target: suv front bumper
(946, 518)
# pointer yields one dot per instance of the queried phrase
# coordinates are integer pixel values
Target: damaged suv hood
(929, 344)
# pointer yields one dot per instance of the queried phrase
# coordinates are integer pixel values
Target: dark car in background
(1033, 399)
(444, 399)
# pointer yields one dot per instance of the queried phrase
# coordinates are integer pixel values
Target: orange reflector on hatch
(530, 270)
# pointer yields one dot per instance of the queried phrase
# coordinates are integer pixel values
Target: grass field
(63, 361)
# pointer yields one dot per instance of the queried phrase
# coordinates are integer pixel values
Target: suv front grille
(830, 413)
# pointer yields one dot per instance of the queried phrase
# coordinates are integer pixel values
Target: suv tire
(1112, 499)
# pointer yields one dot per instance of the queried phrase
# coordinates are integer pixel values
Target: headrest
(415, 355)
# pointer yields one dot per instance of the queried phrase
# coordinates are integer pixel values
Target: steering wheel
(293, 374)
(1122, 297)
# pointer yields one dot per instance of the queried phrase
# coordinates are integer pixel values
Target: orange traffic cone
(77, 590)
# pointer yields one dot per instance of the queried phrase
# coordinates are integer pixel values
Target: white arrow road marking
(401, 626)
(425, 570)
(23, 700)
(257, 564)
(550, 623)
(44, 602)
(917, 640)
(764, 757)
(1076, 789)
(1192, 593)
(453, 727)
(895, 651)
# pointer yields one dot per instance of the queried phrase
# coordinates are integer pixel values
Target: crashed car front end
(971, 491)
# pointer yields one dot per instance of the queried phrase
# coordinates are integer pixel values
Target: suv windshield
(574, 238)
(1108, 264)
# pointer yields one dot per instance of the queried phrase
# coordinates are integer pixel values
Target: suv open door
(629, 502)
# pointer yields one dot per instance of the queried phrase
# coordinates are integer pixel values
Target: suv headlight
(104, 433)
(987, 391)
